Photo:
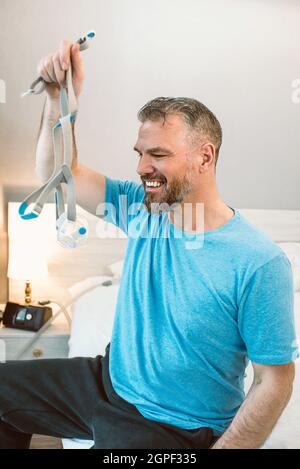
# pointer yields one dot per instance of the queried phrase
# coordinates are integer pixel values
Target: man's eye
(139, 155)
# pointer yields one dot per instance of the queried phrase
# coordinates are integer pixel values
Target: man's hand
(53, 67)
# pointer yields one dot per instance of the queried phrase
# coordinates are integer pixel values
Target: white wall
(239, 57)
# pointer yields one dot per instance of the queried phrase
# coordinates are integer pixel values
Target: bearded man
(202, 293)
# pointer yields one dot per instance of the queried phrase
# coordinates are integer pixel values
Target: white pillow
(116, 269)
(79, 288)
(92, 318)
(292, 251)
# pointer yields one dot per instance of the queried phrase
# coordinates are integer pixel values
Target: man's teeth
(153, 183)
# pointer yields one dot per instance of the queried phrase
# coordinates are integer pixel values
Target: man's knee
(11, 384)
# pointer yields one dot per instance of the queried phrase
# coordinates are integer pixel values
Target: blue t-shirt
(192, 310)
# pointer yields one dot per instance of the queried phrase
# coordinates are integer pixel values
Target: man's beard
(170, 193)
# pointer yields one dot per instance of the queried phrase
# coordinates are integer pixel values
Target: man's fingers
(49, 70)
(44, 74)
(59, 73)
(64, 54)
(53, 67)
(77, 64)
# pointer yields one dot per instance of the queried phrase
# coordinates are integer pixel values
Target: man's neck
(201, 216)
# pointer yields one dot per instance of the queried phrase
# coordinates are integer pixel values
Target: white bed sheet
(92, 316)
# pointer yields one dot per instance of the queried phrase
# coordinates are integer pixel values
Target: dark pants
(74, 398)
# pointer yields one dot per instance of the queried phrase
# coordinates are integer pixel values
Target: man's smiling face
(165, 164)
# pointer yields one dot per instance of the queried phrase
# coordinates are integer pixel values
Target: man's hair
(201, 121)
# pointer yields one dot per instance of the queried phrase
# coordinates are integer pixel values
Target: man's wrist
(52, 109)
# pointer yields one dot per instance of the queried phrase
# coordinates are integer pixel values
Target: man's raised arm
(89, 185)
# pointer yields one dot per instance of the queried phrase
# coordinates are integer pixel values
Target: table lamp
(29, 245)
(27, 261)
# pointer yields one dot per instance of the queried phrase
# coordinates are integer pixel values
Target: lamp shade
(26, 262)
(27, 256)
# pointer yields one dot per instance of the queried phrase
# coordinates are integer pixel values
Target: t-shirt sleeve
(119, 197)
(266, 314)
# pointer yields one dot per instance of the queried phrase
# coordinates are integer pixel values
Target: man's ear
(208, 156)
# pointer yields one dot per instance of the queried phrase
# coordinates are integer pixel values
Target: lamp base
(27, 293)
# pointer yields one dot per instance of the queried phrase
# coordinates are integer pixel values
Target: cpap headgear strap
(71, 230)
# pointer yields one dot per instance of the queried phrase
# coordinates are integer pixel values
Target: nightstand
(53, 343)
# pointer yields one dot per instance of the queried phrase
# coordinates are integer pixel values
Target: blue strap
(28, 216)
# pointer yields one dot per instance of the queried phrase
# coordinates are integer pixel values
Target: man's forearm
(44, 150)
(256, 417)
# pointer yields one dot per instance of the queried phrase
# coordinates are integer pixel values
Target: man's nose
(145, 165)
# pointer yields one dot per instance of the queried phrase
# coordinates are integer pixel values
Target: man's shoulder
(253, 244)
(131, 190)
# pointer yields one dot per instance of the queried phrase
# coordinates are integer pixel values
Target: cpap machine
(72, 230)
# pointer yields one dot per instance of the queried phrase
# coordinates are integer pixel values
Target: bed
(92, 326)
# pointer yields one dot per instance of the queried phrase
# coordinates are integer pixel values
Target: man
(196, 302)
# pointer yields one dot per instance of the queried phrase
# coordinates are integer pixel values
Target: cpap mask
(72, 230)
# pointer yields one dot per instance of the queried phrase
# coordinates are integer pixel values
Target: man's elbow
(279, 377)
(290, 376)
(290, 380)
(284, 381)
